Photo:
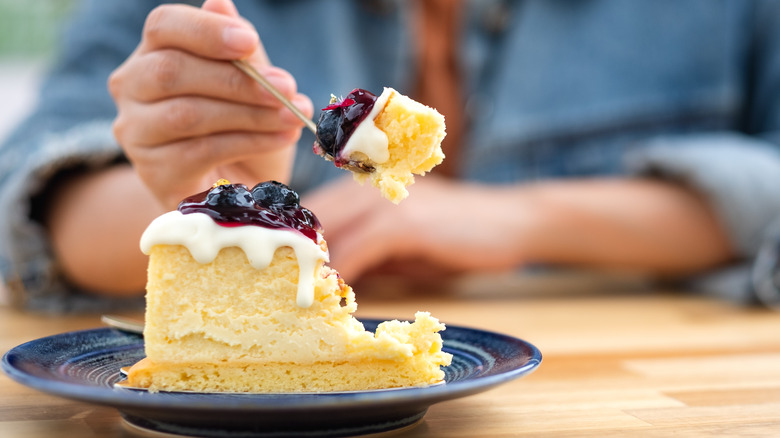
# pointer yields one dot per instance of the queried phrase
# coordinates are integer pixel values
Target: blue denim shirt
(555, 89)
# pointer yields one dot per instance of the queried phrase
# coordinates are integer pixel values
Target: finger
(199, 32)
(198, 156)
(273, 164)
(166, 73)
(226, 7)
(186, 117)
(304, 105)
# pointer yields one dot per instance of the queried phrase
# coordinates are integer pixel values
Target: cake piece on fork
(385, 139)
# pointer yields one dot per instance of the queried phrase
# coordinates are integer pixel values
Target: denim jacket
(684, 90)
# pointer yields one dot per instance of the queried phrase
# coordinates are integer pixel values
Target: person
(637, 136)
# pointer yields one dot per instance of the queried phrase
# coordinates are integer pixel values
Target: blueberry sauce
(338, 121)
(269, 204)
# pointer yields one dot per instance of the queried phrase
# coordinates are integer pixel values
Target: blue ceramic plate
(85, 365)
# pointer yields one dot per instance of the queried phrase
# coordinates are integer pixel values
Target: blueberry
(230, 195)
(328, 127)
(275, 194)
(339, 120)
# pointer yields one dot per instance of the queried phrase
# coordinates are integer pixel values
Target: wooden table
(615, 364)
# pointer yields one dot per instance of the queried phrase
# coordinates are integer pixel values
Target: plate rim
(281, 402)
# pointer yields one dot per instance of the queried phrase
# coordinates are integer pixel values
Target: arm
(646, 226)
(95, 221)
(643, 225)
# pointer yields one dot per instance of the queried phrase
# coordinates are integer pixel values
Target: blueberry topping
(270, 204)
(230, 196)
(338, 121)
(327, 128)
(274, 193)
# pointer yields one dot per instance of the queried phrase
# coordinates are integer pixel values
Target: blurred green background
(29, 35)
(30, 28)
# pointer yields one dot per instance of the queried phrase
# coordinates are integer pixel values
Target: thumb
(226, 7)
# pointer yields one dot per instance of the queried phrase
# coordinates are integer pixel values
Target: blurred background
(29, 31)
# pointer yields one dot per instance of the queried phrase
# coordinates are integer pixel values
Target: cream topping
(204, 238)
(367, 138)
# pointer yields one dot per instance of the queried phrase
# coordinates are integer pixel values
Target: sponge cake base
(276, 377)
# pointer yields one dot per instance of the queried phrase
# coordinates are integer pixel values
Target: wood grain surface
(649, 363)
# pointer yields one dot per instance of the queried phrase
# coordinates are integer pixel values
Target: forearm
(95, 222)
(642, 225)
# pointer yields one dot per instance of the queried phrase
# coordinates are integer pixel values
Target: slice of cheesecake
(239, 299)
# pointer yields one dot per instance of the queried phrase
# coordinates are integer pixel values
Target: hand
(186, 117)
(455, 225)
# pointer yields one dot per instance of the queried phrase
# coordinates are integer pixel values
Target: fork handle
(254, 74)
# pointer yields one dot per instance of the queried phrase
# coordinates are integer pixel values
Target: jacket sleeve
(739, 171)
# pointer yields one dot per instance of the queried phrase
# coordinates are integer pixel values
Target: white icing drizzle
(367, 138)
(204, 238)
